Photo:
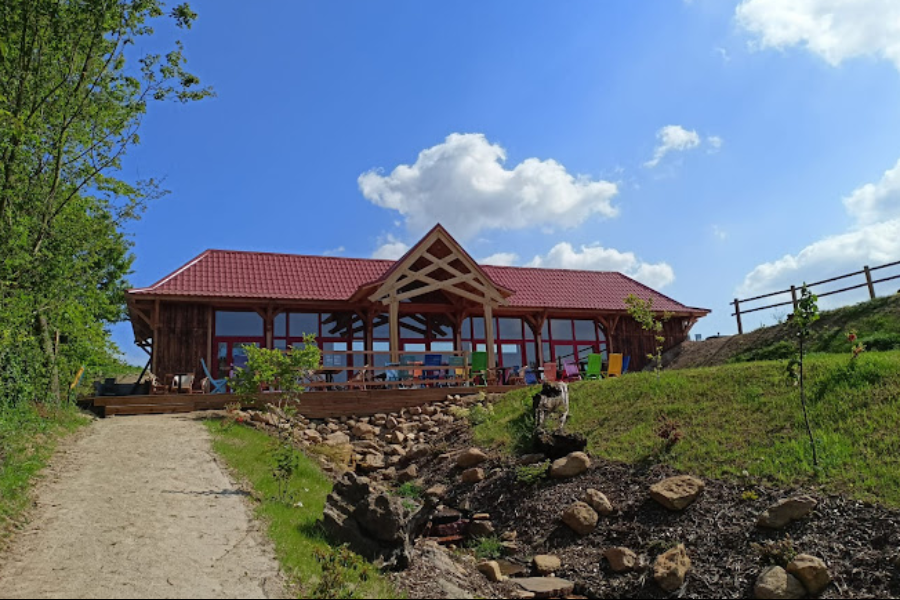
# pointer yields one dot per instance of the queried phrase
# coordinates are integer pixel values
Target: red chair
(549, 371)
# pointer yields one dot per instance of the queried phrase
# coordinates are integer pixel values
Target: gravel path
(138, 507)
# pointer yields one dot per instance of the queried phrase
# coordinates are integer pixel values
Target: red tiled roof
(238, 274)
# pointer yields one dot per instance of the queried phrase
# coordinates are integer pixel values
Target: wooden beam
(395, 329)
(489, 334)
(209, 336)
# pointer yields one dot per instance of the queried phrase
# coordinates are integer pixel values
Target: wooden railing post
(794, 296)
(737, 313)
(869, 282)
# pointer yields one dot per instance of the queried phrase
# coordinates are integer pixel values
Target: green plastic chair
(480, 367)
(594, 367)
(457, 369)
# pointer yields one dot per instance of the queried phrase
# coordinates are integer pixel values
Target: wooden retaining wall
(313, 405)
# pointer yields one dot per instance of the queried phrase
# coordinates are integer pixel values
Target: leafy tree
(285, 371)
(642, 311)
(74, 89)
(805, 314)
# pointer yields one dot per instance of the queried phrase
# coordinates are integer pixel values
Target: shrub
(780, 552)
(409, 490)
(343, 573)
(532, 474)
(488, 548)
(478, 414)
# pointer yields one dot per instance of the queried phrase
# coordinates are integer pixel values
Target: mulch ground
(859, 542)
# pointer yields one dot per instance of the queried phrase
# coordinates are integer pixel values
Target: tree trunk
(50, 355)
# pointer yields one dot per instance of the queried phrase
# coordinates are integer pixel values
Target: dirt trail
(138, 507)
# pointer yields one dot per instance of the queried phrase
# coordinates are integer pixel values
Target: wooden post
(394, 323)
(209, 337)
(537, 330)
(794, 296)
(869, 282)
(737, 313)
(269, 328)
(369, 316)
(489, 334)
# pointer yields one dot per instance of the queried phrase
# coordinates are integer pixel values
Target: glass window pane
(585, 330)
(529, 332)
(441, 329)
(466, 331)
(477, 328)
(281, 344)
(510, 355)
(510, 329)
(337, 325)
(548, 355)
(280, 325)
(410, 327)
(248, 324)
(530, 357)
(442, 346)
(303, 323)
(545, 330)
(564, 353)
(382, 328)
(381, 360)
(561, 329)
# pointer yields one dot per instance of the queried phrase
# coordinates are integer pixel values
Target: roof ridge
(528, 267)
(293, 254)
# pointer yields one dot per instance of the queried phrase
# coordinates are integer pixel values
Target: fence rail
(869, 283)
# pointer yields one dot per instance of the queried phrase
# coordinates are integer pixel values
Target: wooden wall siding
(629, 339)
(183, 330)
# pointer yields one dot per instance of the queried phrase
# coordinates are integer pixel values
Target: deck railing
(334, 372)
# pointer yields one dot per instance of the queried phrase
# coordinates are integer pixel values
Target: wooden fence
(869, 283)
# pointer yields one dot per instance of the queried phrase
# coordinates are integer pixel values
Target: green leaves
(642, 311)
(284, 371)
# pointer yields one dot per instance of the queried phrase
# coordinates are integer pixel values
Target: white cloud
(597, 258)
(390, 248)
(334, 251)
(715, 143)
(719, 233)
(500, 259)
(463, 184)
(874, 239)
(834, 29)
(672, 138)
(876, 202)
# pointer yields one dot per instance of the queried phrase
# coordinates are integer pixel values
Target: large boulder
(812, 573)
(374, 524)
(571, 465)
(599, 502)
(473, 475)
(580, 518)
(545, 587)
(545, 564)
(556, 445)
(671, 567)
(677, 493)
(785, 511)
(777, 584)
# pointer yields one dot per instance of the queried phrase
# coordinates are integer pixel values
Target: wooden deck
(313, 405)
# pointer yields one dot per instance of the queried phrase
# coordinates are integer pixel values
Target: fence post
(737, 313)
(794, 296)
(869, 282)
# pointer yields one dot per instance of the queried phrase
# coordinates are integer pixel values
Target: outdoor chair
(530, 377)
(594, 366)
(480, 368)
(457, 365)
(614, 369)
(549, 371)
(358, 380)
(516, 376)
(432, 360)
(570, 371)
(407, 376)
(625, 362)
(217, 386)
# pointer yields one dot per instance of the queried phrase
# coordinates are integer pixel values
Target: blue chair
(391, 373)
(216, 386)
(625, 362)
(530, 377)
(432, 360)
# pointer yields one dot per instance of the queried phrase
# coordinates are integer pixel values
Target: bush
(488, 548)
(881, 342)
(532, 474)
(478, 414)
(409, 490)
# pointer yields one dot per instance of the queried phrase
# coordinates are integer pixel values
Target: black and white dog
(554, 396)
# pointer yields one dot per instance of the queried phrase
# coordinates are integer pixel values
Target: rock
(621, 559)
(472, 475)
(313, 436)
(557, 445)
(389, 474)
(545, 587)
(677, 493)
(574, 464)
(776, 583)
(491, 570)
(599, 502)
(364, 431)
(481, 529)
(436, 492)
(372, 462)
(419, 451)
(408, 474)
(444, 515)
(394, 437)
(509, 536)
(375, 525)
(366, 447)
(511, 569)
(546, 563)
(481, 517)
(395, 450)
(784, 511)
(391, 422)
(337, 439)
(580, 518)
(811, 572)
(671, 567)
(471, 458)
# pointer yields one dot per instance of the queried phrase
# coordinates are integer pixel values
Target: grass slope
(28, 436)
(293, 527)
(738, 417)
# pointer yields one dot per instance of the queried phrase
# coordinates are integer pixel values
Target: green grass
(28, 436)
(740, 417)
(292, 526)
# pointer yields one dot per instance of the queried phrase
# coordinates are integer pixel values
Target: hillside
(876, 322)
(740, 418)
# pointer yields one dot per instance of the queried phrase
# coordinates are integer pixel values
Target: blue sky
(709, 148)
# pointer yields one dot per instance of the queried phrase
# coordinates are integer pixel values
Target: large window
(572, 339)
(514, 340)
(339, 336)
(234, 329)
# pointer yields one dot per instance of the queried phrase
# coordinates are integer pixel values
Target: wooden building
(366, 313)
